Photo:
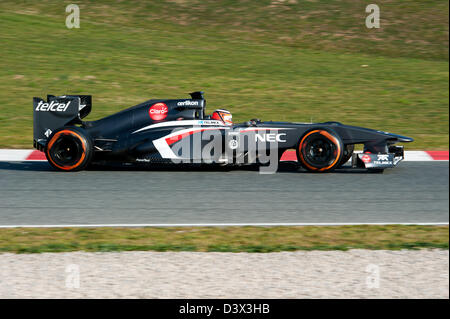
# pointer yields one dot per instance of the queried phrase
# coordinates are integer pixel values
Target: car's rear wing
(56, 112)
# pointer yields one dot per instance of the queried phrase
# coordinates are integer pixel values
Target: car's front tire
(320, 150)
(69, 149)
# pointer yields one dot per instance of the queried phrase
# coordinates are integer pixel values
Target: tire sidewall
(337, 141)
(86, 141)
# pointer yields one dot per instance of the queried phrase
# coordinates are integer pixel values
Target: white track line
(220, 225)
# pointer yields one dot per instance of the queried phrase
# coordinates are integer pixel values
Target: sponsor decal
(52, 106)
(48, 133)
(158, 111)
(233, 144)
(270, 137)
(210, 122)
(378, 159)
(187, 102)
(383, 159)
(366, 159)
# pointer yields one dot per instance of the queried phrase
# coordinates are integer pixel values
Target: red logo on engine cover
(366, 159)
(158, 111)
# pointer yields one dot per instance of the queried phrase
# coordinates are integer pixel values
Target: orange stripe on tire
(52, 141)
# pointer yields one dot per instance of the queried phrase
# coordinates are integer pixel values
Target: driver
(223, 115)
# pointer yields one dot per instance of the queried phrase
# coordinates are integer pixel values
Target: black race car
(178, 131)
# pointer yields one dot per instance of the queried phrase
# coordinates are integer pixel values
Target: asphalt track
(32, 193)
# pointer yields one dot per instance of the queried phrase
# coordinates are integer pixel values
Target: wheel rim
(320, 152)
(66, 150)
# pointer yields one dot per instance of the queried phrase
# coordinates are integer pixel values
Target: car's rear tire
(320, 150)
(69, 149)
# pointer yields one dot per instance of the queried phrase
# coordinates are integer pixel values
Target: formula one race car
(179, 131)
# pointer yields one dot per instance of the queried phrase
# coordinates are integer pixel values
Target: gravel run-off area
(314, 274)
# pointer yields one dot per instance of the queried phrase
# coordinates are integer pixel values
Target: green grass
(223, 239)
(274, 60)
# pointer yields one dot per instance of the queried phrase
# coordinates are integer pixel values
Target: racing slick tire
(348, 152)
(69, 149)
(320, 150)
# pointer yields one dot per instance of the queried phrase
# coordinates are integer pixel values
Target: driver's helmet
(223, 115)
